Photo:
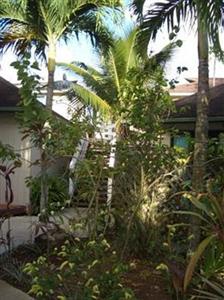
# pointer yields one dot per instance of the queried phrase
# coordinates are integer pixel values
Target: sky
(82, 51)
(75, 50)
(187, 54)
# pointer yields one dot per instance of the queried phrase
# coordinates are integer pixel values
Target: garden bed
(141, 278)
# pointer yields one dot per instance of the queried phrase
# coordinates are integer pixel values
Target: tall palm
(208, 17)
(42, 23)
(102, 87)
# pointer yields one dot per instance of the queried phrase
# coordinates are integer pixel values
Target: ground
(146, 282)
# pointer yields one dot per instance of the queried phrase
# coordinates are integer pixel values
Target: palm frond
(89, 98)
(82, 70)
(164, 55)
(115, 66)
(129, 45)
(137, 7)
(99, 35)
(20, 39)
(121, 58)
(169, 13)
(42, 20)
(19, 30)
(211, 15)
(14, 10)
(159, 59)
(97, 81)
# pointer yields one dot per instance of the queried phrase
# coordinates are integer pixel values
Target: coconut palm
(42, 23)
(102, 87)
(207, 15)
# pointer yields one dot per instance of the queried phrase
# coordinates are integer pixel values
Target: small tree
(43, 23)
(58, 139)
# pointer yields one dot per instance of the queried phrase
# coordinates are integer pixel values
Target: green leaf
(90, 98)
(190, 213)
(194, 259)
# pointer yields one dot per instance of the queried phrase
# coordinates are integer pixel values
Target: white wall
(35, 168)
(10, 134)
(166, 139)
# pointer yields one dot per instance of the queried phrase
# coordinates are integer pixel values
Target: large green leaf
(190, 213)
(194, 260)
(198, 203)
(90, 98)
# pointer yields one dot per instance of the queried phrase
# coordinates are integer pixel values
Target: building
(184, 118)
(10, 134)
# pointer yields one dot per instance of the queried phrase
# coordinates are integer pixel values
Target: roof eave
(192, 119)
(10, 109)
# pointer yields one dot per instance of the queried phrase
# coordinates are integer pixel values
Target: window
(181, 141)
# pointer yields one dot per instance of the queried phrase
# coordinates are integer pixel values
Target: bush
(80, 270)
(58, 193)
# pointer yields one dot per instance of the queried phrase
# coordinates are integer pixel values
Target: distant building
(184, 118)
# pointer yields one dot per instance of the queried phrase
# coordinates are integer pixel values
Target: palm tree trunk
(51, 71)
(201, 129)
(43, 184)
(44, 157)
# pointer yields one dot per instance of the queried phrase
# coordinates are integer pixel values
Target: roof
(186, 107)
(192, 86)
(9, 94)
(10, 98)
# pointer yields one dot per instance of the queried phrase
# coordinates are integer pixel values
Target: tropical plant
(42, 24)
(55, 141)
(58, 193)
(211, 214)
(215, 291)
(105, 85)
(7, 153)
(213, 261)
(208, 17)
(134, 87)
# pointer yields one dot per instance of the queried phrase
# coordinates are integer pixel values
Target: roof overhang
(192, 120)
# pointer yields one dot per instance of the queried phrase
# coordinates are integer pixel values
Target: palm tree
(42, 23)
(102, 87)
(207, 15)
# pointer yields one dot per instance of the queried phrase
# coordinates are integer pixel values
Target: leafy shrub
(80, 270)
(58, 193)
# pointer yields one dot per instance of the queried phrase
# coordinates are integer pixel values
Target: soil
(146, 282)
